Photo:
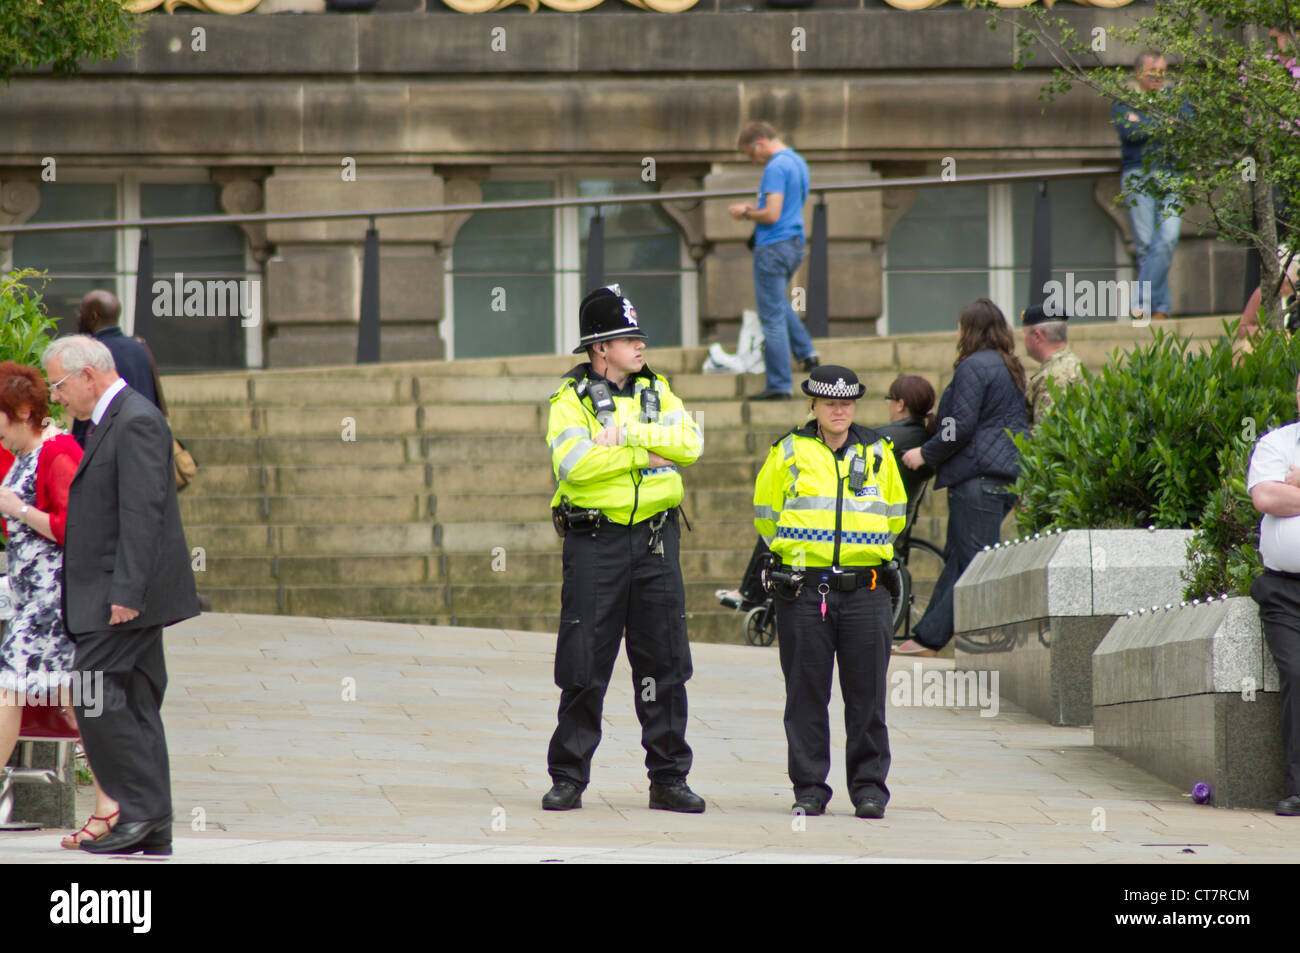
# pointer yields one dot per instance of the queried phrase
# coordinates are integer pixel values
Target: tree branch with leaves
(1236, 151)
(62, 34)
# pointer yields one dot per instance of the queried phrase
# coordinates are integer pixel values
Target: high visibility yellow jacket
(618, 480)
(807, 512)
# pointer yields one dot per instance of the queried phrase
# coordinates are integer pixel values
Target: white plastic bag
(748, 358)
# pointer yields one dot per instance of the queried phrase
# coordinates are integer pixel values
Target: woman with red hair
(36, 654)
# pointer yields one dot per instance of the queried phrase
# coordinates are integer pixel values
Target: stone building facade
(415, 104)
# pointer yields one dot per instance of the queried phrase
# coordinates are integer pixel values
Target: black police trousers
(614, 583)
(1279, 612)
(857, 631)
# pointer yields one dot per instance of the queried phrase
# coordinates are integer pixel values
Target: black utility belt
(568, 518)
(842, 580)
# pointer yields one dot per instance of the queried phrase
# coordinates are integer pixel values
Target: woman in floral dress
(36, 655)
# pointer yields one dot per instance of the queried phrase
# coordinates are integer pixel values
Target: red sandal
(73, 841)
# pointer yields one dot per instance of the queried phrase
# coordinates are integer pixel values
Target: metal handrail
(374, 213)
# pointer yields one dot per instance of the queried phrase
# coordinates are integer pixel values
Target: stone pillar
(313, 281)
(856, 230)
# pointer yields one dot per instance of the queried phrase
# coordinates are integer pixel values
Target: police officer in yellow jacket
(617, 434)
(829, 503)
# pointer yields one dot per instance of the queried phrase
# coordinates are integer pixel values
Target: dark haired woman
(911, 423)
(36, 655)
(973, 456)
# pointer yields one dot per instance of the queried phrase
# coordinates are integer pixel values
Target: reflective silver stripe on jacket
(573, 456)
(851, 504)
(568, 434)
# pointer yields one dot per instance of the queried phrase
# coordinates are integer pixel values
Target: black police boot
(871, 808)
(563, 796)
(809, 805)
(675, 796)
(1289, 806)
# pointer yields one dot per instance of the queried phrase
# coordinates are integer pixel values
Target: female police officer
(829, 502)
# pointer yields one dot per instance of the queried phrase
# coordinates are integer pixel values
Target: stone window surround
(1001, 277)
(128, 181)
(569, 263)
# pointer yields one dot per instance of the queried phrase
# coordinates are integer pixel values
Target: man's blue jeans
(1155, 235)
(774, 266)
(976, 508)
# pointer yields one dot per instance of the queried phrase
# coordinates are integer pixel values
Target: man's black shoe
(810, 362)
(810, 806)
(563, 796)
(871, 808)
(770, 395)
(1289, 806)
(130, 837)
(675, 796)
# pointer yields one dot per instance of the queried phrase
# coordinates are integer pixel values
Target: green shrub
(1223, 553)
(25, 328)
(1140, 443)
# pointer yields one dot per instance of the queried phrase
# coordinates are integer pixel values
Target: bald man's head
(98, 309)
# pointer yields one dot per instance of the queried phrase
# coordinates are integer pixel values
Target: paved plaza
(323, 741)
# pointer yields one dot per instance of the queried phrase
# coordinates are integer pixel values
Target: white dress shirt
(1279, 536)
(101, 406)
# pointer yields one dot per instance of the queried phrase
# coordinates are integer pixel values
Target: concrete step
(476, 507)
(270, 571)
(723, 566)
(209, 510)
(253, 600)
(323, 539)
(242, 480)
(352, 478)
(319, 451)
(343, 601)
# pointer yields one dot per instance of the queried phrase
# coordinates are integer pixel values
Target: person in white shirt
(1274, 485)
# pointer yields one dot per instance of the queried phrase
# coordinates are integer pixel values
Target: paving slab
(438, 755)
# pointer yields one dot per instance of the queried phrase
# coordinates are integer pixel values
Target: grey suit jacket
(124, 542)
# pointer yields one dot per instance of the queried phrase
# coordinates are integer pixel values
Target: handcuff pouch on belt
(657, 523)
(568, 518)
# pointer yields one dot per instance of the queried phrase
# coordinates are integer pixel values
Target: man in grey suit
(126, 575)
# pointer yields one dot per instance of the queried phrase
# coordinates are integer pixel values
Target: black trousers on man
(613, 583)
(857, 631)
(124, 740)
(1279, 611)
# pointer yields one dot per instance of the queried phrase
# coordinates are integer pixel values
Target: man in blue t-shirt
(778, 249)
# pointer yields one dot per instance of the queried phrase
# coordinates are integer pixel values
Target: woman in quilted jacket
(973, 456)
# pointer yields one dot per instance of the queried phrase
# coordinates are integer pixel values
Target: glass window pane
(1083, 242)
(200, 252)
(76, 261)
(658, 302)
(938, 258)
(642, 254)
(504, 276)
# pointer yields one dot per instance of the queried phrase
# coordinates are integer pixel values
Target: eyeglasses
(59, 383)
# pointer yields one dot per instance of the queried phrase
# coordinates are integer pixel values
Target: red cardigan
(55, 467)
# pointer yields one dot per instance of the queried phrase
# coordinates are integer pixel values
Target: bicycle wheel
(760, 625)
(924, 565)
(900, 604)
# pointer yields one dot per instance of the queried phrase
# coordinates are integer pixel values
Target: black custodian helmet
(605, 315)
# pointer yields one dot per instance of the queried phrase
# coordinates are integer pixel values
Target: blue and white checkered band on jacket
(838, 389)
